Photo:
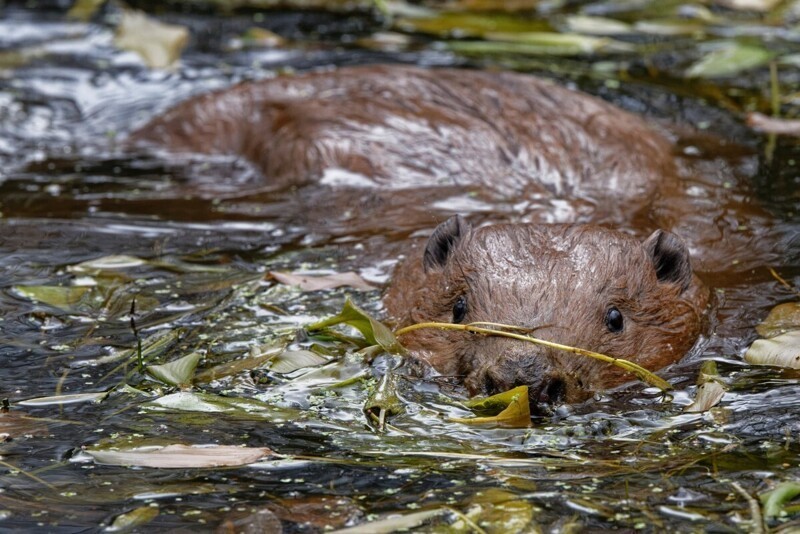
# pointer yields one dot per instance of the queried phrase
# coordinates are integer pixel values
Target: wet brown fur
(407, 127)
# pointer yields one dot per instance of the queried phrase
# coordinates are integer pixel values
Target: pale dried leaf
(773, 125)
(761, 6)
(292, 360)
(780, 351)
(65, 399)
(708, 395)
(308, 282)
(135, 518)
(159, 45)
(182, 456)
(393, 523)
(107, 263)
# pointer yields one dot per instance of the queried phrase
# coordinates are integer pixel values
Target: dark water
(210, 230)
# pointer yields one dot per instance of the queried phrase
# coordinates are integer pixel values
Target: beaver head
(579, 285)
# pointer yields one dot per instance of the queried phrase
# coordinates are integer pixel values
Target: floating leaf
(237, 366)
(135, 518)
(153, 346)
(178, 372)
(62, 297)
(670, 27)
(596, 25)
(774, 501)
(708, 395)
(499, 510)
(308, 282)
(375, 332)
(394, 523)
(728, 59)
(185, 401)
(84, 10)
(761, 6)
(261, 37)
(559, 44)
(384, 401)
(469, 25)
(181, 456)
(773, 125)
(710, 388)
(780, 351)
(515, 411)
(106, 263)
(65, 399)
(781, 319)
(488, 406)
(292, 360)
(158, 44)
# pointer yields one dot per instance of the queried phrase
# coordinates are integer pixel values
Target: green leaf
(135, 518)
(375, 332)
(62, 297)
(774, 501)
(178, 372)
(780, 351)
(234, 367)
(488, 406)
(498, 510)
(186, 401)
(292, 360)
(384, 401)
(84, 10)
(560, 44)
(781, 319)
(513, 406)
(467, 24)
(728, 59)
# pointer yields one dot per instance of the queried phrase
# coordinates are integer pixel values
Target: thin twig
(640, 372)
(755, 509)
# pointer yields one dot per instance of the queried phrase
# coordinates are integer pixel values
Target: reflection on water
(210, 229)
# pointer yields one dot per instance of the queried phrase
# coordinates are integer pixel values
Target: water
(210, 231)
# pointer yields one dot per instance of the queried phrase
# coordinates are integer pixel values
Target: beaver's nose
(553, 391)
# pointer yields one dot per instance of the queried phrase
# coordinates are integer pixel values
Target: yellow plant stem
(640, 372)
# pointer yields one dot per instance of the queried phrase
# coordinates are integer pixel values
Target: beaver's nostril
(489, 385)
(553, 392)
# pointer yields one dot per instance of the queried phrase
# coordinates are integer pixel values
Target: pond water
(193, 239)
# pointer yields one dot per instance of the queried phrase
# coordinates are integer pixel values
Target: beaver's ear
(670, 258)
(443, 240)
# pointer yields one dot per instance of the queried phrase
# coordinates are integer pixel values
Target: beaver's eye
(460, 309)
(614, 321)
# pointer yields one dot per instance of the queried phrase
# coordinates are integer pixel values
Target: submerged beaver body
(398, 127)
(580, 285)
(406, 127)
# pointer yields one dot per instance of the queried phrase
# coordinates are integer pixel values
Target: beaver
(402, 127)
(581, 285)
(395, 127)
